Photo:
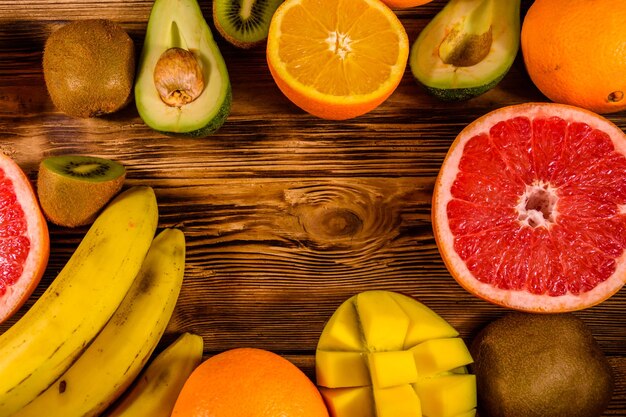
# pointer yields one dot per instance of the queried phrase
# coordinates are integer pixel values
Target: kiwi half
(244, 23)
(73, 188)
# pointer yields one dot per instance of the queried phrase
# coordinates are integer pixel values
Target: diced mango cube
(425, 323)
(389, 369)
(342, 330)
(349, 401)
(341, 369)
(400, 401)
(383, 322)
(438, 355)
(447, 396)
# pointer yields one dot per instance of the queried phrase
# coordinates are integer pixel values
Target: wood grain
(285, 215)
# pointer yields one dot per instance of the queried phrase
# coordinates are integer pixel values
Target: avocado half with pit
(467, 48)
(182, 85)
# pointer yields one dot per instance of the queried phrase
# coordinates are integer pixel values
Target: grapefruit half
(529, 208)
(24, 239)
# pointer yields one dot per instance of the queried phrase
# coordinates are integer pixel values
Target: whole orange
(249, 382)
(575, 52)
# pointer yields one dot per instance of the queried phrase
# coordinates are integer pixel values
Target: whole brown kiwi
(89, 67)
(540, 365)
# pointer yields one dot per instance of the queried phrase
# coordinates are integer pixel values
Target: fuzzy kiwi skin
(537, 365)
(73, 202)
(89, 67)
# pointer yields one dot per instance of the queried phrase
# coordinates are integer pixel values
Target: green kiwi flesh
(72, 189)
(244, 23)
(89, 67)
(540, 365)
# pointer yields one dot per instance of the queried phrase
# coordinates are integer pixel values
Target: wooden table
(285, 215)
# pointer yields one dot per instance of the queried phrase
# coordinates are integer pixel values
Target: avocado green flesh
(213, 125)
(180, 23)
(452, 83)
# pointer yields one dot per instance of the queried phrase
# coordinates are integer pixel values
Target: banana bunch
(52, 334)
(118, 353)
(157, 388)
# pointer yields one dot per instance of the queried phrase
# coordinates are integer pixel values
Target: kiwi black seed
(540, 365)
(89, 67)
(72, 189)
(244, 23)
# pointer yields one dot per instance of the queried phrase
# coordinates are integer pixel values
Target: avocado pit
(178, 77)
(465, 50)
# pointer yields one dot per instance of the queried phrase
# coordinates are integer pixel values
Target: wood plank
(285, 215)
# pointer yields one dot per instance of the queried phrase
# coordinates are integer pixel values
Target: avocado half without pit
(182, 85)
(467, 48)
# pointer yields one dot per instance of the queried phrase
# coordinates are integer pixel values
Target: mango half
(383, 354)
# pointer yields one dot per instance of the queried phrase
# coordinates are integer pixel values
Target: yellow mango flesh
(349, 401)
(342, 331)
(440, 355)
(342, 369)
(390, 369)
(383, 354)
(398, 401)
(447, 395)
(383, 321)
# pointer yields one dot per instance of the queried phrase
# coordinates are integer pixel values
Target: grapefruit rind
(37, 233)
(518, 300)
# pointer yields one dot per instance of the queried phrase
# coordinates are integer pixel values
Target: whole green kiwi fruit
(540, 365)
(89, 67)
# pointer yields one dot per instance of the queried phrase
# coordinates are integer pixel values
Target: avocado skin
(462, 94)
(540, 365)
(215, 123)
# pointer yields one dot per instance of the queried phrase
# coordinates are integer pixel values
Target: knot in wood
(340, 223)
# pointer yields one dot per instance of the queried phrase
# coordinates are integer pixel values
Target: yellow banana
(115, 357)
(157, 388)
(39, 347)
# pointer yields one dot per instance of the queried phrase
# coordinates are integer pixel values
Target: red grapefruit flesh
(24, 239)
(529, 208)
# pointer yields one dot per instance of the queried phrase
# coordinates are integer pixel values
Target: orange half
(336, 59)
